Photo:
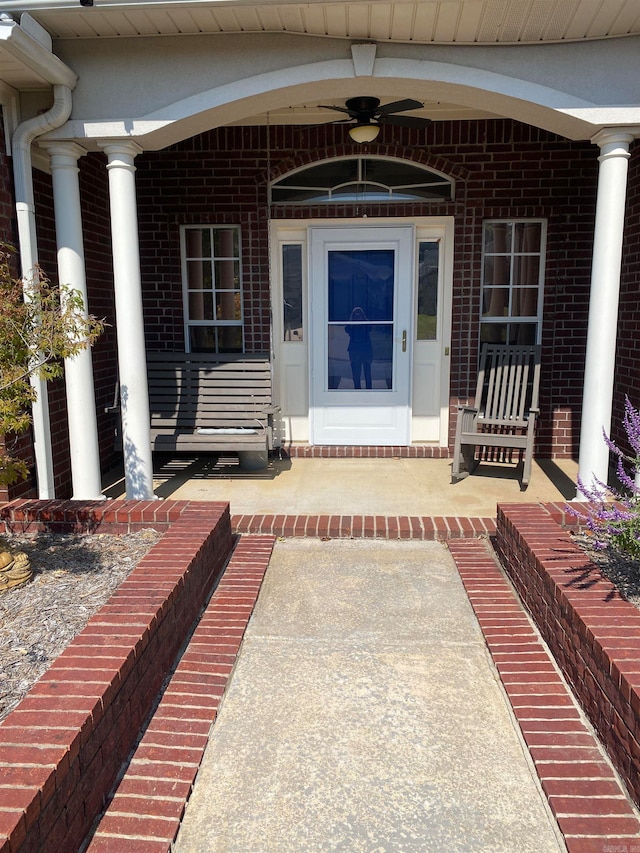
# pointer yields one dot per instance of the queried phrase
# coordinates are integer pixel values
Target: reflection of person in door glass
(359, 349)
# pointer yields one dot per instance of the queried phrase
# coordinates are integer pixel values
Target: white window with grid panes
(212, 288)
(513, 253)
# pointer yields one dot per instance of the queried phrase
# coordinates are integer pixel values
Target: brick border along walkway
(63, 745)
(590, 804)
(593, 633)
(144, 814)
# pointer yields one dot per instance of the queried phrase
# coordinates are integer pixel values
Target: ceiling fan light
(364, 132)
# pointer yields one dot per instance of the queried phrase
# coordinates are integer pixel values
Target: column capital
(615, 141)
(63, 152)
(124, 148)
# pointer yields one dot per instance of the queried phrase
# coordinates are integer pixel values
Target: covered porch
(352, 488)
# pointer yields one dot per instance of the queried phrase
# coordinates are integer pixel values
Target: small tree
(36, 333)
(613, 514)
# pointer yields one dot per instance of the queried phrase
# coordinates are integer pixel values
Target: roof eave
(36, 65)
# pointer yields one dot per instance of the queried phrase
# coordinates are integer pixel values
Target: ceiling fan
(369, 116)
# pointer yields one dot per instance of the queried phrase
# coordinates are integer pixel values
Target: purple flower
(612, 514)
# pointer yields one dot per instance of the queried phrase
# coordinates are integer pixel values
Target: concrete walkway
(364, 714)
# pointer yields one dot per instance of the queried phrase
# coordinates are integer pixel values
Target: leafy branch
(41, 324)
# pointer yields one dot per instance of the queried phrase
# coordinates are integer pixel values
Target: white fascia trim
(19, 6)
(608, 116)
(28, 51)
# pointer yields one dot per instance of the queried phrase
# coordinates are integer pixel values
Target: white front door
(361, 298)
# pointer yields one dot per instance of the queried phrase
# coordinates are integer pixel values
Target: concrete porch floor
(396, 486)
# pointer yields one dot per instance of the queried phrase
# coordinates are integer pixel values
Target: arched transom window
(361, 179)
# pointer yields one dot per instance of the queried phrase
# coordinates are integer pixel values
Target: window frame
(339, 200)
(512, 319)
(188, 323)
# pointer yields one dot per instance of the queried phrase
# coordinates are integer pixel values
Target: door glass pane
(361, 279)
(360, 332)
(427, 291)
(292, 292)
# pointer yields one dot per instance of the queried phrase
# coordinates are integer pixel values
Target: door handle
(404, 341)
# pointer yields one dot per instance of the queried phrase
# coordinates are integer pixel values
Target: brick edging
(151, 797)
(585, 795)
(592, 631)
(366, 451)
(62, 746)
(426, 528)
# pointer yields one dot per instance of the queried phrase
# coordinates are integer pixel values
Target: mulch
(73, 576)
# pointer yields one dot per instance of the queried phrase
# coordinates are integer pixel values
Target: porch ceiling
(419, 22)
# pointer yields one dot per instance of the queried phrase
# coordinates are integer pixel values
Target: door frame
(291, 358)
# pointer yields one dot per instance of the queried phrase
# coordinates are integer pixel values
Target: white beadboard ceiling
(422, 22)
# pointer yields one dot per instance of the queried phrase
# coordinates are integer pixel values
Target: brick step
(145, 811)
(426, 528)
(590, 803)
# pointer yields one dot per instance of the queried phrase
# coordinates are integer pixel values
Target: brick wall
(94, 192)
(502, 169)
(47, 258)
(628, 349)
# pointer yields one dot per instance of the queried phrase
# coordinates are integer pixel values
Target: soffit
(421, 22)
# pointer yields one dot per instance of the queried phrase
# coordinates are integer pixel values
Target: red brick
(113, 844)
(591, 806)
(138, 825)
(571, 770)
(604, 826)
(136, 786)
(122, 804)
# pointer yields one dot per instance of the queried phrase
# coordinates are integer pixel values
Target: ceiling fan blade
(339, 109)
(406, 121)
(399, 107)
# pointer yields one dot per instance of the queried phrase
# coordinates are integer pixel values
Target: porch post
(78, 371)
(134, 393)
(603, 305)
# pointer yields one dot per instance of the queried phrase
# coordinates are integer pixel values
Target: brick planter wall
(63, 745)
(593, 633)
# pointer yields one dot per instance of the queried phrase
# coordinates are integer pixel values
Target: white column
(603, 305)
(81, 403)
(134, 393)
